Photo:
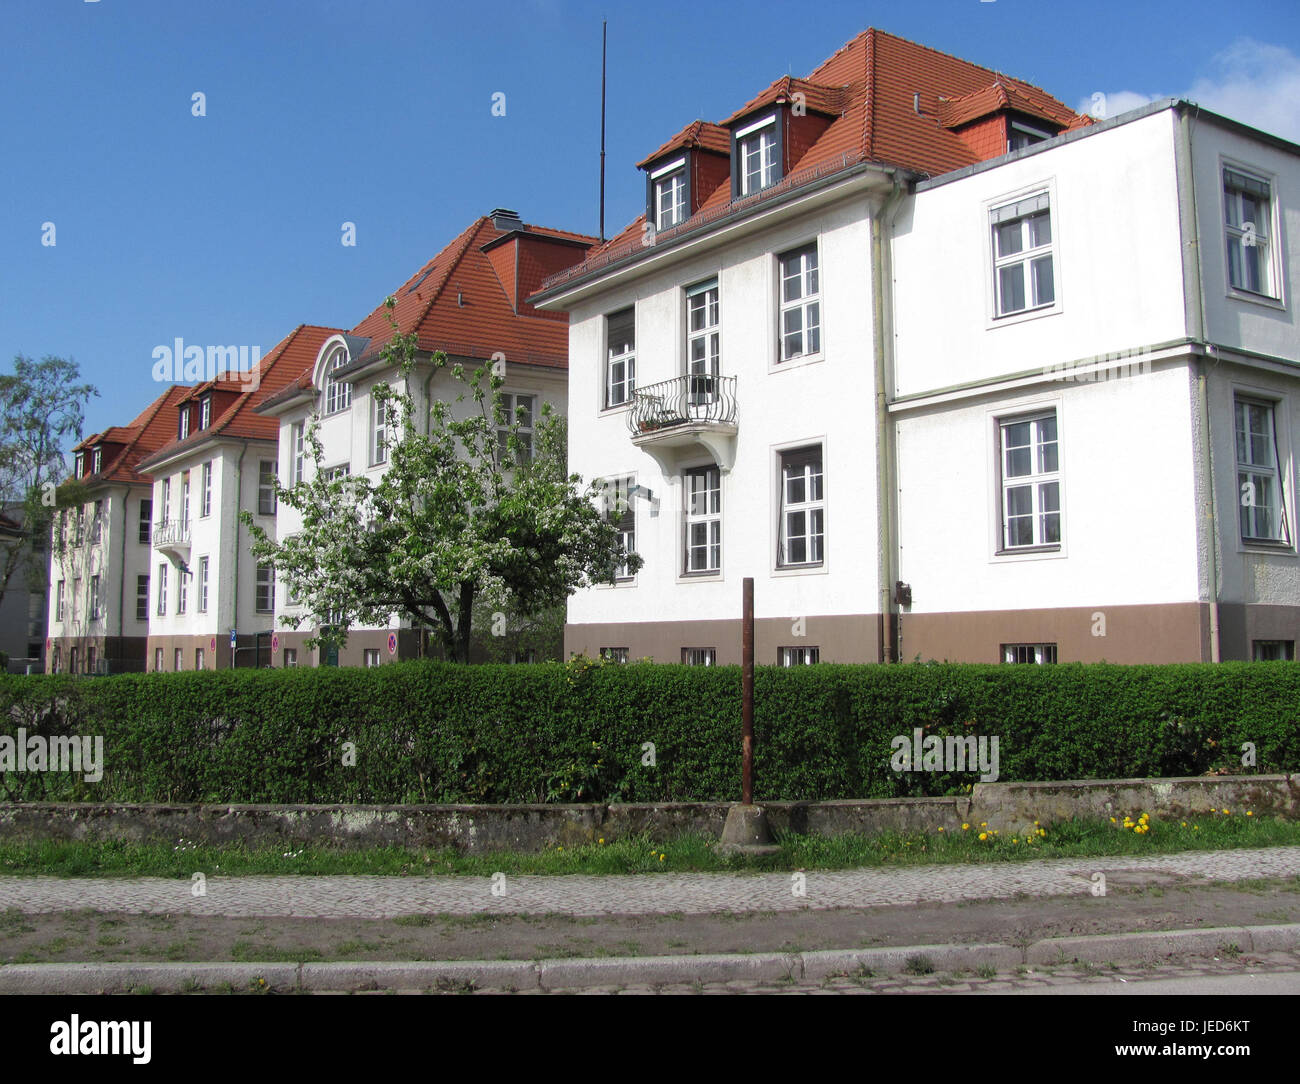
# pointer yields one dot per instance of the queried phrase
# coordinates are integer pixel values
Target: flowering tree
(465, 514)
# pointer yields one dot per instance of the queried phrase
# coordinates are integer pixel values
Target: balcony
(679, 416)
(172, 539)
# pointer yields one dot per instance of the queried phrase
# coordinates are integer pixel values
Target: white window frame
(1021, 208)
(202, 589)
(809, 276)
(97, 522)
(1037, 478)
(1038, 654)
(798, 656)
(162, 589)
(692, 519)
(166, 502)
(615, 492)
(626, 359)
(184, 430)
(1271, 266)
(157, 660)
(290, 658)
(810, 505)
(58, 600)
(96, 602)
(264, 587)
(178, 659)
(142, 596)
(205, 503)
(669, 192)
(510, 402)
(615, 654)
(265, 490)
(185, 498)
(703, 301)
(205, 412)
(299, 441)
(760, 136)
(699, 656)
(378, 432)
(200, 659)
(1278, 473)
(1037, 135)
(96, 460)
(182, 591)
(338, 393)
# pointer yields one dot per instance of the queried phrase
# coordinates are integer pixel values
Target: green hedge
(434, 732)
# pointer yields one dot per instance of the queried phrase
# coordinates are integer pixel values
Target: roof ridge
(465, 239)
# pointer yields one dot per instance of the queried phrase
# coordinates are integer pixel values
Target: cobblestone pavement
(696, 893)
(1285, 965)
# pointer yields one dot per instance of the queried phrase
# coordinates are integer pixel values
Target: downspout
(886, 624)
(234, 593)
(121, 580)
(1194, 311)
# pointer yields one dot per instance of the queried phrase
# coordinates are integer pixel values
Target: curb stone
(630, 970)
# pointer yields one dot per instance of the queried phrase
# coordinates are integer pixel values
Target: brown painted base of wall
(124, 654)
(1008, 807)
(1177, 632)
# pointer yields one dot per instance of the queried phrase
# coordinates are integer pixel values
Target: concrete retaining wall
(478, 828)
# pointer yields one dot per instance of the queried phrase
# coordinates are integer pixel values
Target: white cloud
(1250, 81)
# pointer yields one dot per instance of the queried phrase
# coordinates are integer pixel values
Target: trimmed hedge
(436, 732)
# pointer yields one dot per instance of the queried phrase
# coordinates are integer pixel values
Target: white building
(468, 302)
(952, 372)
(221, 460)
(98, 610)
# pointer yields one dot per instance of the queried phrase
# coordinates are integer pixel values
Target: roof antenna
(604, 32)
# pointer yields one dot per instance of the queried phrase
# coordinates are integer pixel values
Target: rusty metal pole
(747, 694)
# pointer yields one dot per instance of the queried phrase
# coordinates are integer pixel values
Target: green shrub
(435, 732)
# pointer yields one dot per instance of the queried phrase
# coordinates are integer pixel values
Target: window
(1248, 217)
(178, 659)
(266, 471)
(620, 512)
(265, 597)
(58, 601)
(90, 660)
(338, 393)
(203, 585)
(378, 431)
(372, 656)
(94, 598)
(1272, 650)
(1263, 505)
(1022, 255)
(802, 526)
(162, 589)
(198, 658)
(801, 323)
(97, 523)
(1029, 653)
(702, 518)
(166, 499)
(669, 185)
(72, 660)
(184, 429)
(703, 344)
(341, 471)
(79, 527)
(290, 657)
(620, 369)
(700, 656)
(756, 148)
(1023, 135)
(96, 460)
(205, 504)
(79, 464)
(182, 590)
(158, 660)
(521, 409)
(185, 498)
(58, 659)
(798, 656)
(614, 654)
(142, 598)
(205, 412)
(1031, 482)
(146, 521)
(527, 655)
(298, 440)
(76, 597)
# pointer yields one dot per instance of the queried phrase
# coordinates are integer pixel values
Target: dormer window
(185, 422)
(79, 464)
(96, 460)
(756, 156)
(1020, 136)
(668, 186)
(338, 393)
(205, 412)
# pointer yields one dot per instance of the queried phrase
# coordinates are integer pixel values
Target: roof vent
(916, 102)
(505, 219)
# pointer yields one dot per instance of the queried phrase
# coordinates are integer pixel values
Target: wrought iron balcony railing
(682, 401)
(174, 532)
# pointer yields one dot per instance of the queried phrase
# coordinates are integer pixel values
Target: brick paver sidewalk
(652, 893)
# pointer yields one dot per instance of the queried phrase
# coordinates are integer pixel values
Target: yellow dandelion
(1249, 813)
(940, 829)
(984, 824)
(964, 827)
(984, 835)
(661, 858)
(602, 839)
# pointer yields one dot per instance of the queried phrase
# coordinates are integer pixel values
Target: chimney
(505, 219)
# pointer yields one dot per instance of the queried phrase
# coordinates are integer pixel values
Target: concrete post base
(746, 832)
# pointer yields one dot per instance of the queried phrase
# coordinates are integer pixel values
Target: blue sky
(226, 228)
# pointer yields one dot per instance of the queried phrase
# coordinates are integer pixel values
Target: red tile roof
(699, 133)
(293, 356)
(868, 86)
(146, 433)
(458, 303)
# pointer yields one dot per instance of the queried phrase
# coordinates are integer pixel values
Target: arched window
(338, 393)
